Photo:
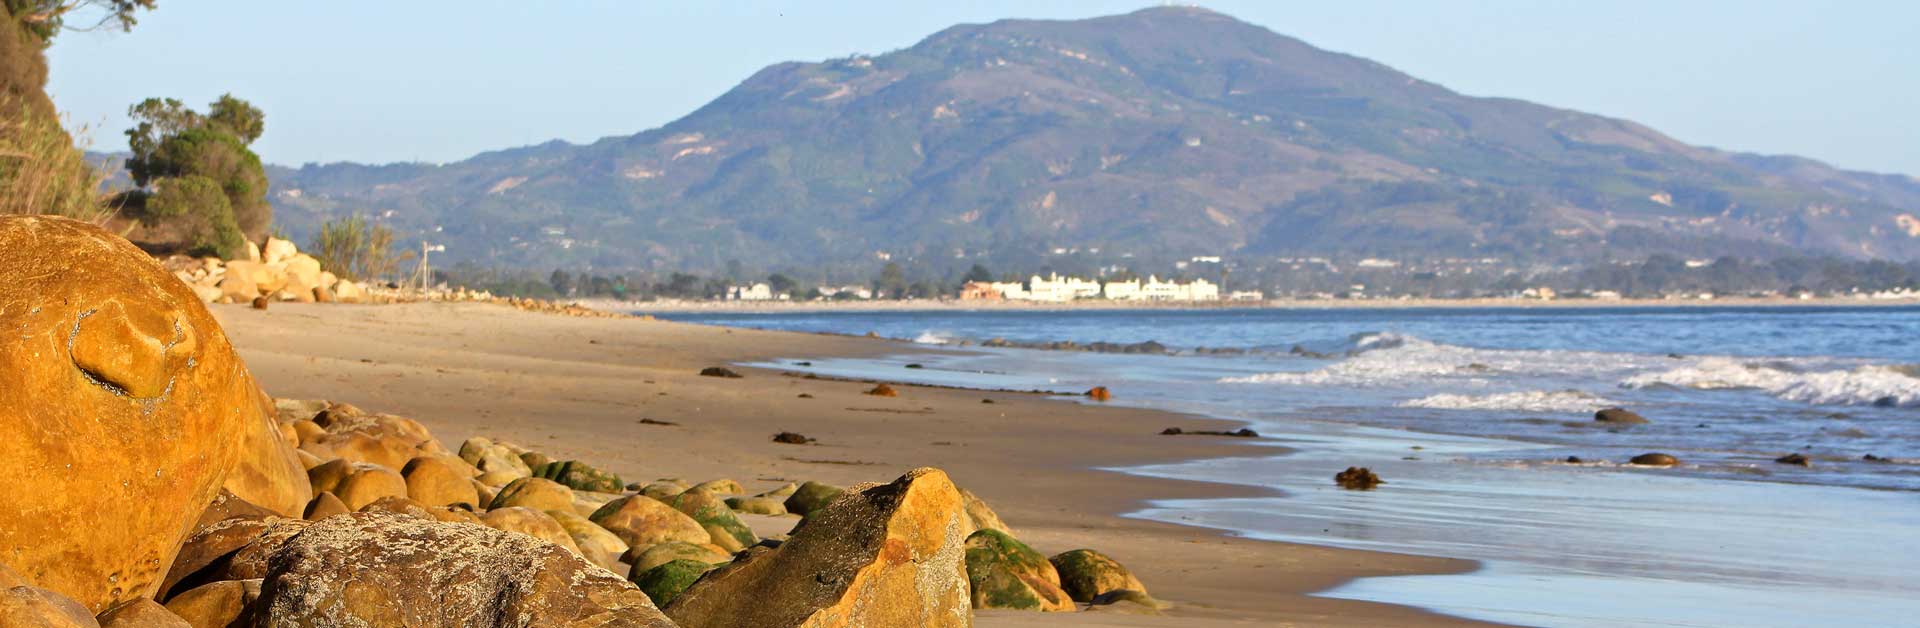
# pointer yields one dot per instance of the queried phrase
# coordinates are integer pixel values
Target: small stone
(1794, 459)
(260, 303)
(1618, 415)
(1099, 393)
(791, 438)
(883, 390)
(1655, 460)
(1358, 479)
(720, 371)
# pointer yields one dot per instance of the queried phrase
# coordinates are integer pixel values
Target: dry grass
(44, 171)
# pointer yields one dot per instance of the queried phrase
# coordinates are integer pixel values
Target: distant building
(1246, 295)
(1128, 290)
(855, 291)
(1053, 287)
(755, 292)
(979, 291)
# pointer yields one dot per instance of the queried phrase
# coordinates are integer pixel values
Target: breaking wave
(1558, 401)
(1381, 359)
(1875, 385)
(933, 338)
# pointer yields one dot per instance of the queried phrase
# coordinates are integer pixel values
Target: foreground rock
(879, 555)
(1655, 460)
(1002, 572)
(121, 406)
(377, 569)
(1086, 574)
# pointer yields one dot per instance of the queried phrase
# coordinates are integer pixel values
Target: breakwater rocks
(169, 490)
(1147, 347)
(275, 272)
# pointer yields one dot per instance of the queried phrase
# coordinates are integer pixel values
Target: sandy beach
(579, 387)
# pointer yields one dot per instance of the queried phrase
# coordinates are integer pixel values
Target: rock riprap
(121, 410)
(879, 555)
(378, 569)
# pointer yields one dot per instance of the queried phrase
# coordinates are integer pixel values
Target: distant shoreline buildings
(1056, 289)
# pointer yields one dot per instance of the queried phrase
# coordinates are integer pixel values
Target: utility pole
(423, 275)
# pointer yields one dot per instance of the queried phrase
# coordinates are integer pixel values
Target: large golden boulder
(879, 555)
(122, 410)
(379, 569)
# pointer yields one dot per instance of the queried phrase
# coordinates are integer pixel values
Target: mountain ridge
(1158, 134)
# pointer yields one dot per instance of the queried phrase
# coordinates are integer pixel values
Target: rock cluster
(277, 271)
(1358, 479)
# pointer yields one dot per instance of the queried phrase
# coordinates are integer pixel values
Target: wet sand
(579, 387)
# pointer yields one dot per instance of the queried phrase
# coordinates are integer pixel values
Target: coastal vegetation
(198, 185)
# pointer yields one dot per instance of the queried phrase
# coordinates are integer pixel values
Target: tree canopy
(170, 140)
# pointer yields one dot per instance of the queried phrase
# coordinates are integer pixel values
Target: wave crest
(1557, 401)
(1876, 385)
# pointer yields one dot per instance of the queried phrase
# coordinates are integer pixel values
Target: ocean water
(1471, 416)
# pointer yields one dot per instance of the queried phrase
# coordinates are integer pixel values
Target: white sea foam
(1558, 401)
(1392, 359)
(933, 338)
(1864, 385)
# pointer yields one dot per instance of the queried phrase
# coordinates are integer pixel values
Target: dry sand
(578, 388)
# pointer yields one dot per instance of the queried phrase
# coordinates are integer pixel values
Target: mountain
(1164, 133)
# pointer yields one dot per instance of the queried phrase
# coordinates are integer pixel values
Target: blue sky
(437, 81)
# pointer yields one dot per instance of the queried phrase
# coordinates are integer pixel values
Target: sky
(439, 81)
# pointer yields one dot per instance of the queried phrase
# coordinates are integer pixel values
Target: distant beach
(677, 305)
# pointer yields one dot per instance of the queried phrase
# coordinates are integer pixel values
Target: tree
(354, 248)
(562, 282)
(978, 273)
(200, 207)
(781, 284)
(169, 139)
(892, 282)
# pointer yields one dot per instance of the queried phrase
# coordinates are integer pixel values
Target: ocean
(1472, 415)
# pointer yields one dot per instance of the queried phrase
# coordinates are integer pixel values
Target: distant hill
(1160, 133)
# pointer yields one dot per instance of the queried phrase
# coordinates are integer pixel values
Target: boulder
(1086, 574)
(365, 569)
(1099, 393)
(121, 410)
(304, 269)
(278, 251)
(722, 487)
(236, 289)
(981, 516)
(782, 492)
(725, 529)
(640, 521)
(535, 460)
(253, 252)
(400, 505)
(883, 390)
(491, 457)
(531, 523)
(1619, 416)
(665, 581)
(367, 483)
(595, 543)
(1798, 460)
(719, 371)
(757, 505)
(811, 496)
(349, 292)
(325, 505)
(216, 604)
(383, 439)
(1129, 601)
(233, 548)
(438, 481)
(33, 607)
(1002, 572)
(664, 489)
(269, 473)
(455, 514)
(535, 493)
(879, 555)
(663, 553)
(141, 613)
(580, 476)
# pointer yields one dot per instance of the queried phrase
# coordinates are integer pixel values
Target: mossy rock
(658, 554)
(536, 493)
(536, 459)
(1086, 574)
(664, 489)
(580, 476)
(1002, 572)
(665, 582)
(722, 486)
(783, 492)
(811, 496)
(757, 505)
(713, 514)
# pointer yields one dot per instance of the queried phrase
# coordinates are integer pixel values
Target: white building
(1128, 290)
(1053, 287)
(1009, 289)
(755, 292)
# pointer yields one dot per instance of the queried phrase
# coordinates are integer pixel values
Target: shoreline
(577, 387)
(945, 305)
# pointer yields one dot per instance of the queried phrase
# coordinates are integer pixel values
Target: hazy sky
(355, 80)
